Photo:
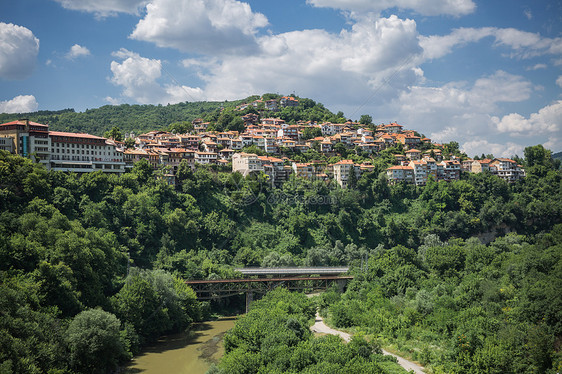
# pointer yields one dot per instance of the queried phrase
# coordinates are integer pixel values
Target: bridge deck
(261, 280)
(294, 271)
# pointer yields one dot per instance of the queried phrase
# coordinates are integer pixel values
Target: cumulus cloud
(458, 110)
(138, 76)
(522, 43)
(424, 7)
(18, 51)
(344, 67)
(546, 120)
(19, 104)
(77, 51)
(457, 100)
(104, 8)
(559, 81)
(481, 145)
(537, 67)
(213, 27)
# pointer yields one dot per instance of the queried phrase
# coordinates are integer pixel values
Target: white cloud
(528, 14)
(537, 67)
(523, 44)
(104, 8)
(18, 51)
(546, 120)
(554, 143)
(481, 145)
(439, 105)
(460, 111)
(138, 76)
(559, 81)
(213, 27)
(424, 7)
(19, 104)
(77, 51)
(346, 67)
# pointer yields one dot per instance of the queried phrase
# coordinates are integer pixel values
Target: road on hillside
(320, 327)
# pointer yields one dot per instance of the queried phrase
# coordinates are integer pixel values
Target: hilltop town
(309, 149)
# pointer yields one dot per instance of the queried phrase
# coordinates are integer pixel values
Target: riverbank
(185, 353)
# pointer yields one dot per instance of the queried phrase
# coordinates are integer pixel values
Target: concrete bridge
(266, 279)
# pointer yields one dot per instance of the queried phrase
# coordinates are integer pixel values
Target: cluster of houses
(76, 152)
(416, 167)
(273, 105)
(278, 170)
(274, 136)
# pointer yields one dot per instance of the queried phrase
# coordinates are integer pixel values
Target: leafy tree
(366, 120)
(94, 342)
(181, 127)
(129, 143)
(143, 171)
(311, 132)
(114, 134)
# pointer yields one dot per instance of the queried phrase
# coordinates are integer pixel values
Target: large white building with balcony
(80, 153)
(61, 151)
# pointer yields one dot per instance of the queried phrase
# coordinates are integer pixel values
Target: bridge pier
(341, 284)
(249, 299)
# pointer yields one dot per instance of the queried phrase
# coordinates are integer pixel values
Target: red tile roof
(74, 135)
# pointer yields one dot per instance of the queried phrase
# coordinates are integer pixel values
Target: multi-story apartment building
(6, 144)
(190, 142)
(275, 170)
(479, 166)
(413, 154)
(28, 139)
(449, 170)
(504, 168)
(83, 153)
(400, 173)
(303, 170)
(205, 157)
(62, 151)
(420, 172)
(507, 169)
(342, 172)
(246, 163)
(132, 156)
(288, 101)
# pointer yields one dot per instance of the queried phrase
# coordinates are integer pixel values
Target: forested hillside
(105, 255)
(138, 119)
(128, 118)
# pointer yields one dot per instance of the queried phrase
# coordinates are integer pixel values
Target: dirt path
(320, 327)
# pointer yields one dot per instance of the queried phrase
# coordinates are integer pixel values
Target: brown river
(188, 353)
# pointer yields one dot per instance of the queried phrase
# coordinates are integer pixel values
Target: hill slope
(143, 118)
(129, 118)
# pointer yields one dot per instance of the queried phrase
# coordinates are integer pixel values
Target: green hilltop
(143, 118)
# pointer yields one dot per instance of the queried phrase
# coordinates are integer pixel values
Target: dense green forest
(463, 276)
(138, 119)
(274, 338)
(128, 118)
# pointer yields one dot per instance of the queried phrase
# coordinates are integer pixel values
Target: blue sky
(487, 74)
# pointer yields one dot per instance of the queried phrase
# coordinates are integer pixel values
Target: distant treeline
(128, 118)
(138, 119)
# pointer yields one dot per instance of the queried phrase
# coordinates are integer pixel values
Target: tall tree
(94, 342)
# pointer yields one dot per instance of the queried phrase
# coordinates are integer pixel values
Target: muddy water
(189, 353)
